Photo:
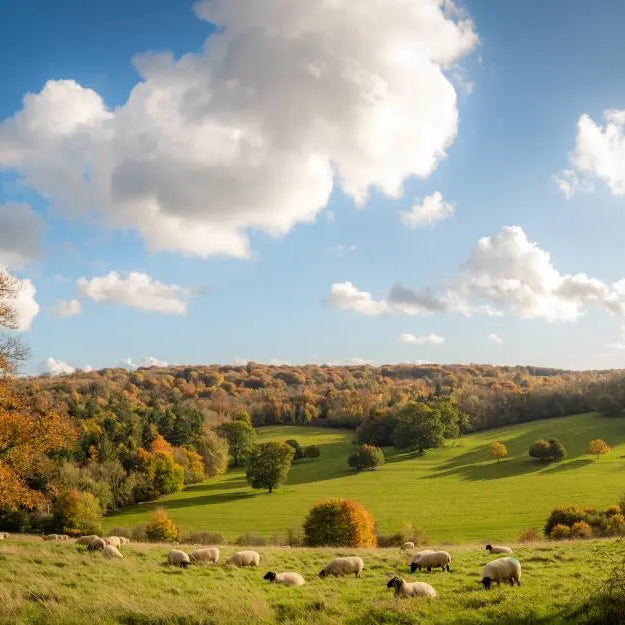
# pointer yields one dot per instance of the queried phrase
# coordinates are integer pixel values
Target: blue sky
(249, 197)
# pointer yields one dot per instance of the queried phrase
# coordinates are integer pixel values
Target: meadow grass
(455, 494)
(64, 584)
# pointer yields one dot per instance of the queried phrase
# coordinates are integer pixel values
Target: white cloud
(23, 303)
(278, 362)
(137, 290)
(20, 229)
(285, 101)
(428, 339)
(505, 272)
(68, 308)
(599, 154)
(433, 208)
(341, 249)
(57, 367)
(350, 362)
(495, 338)
(146, 361)
(619, 344)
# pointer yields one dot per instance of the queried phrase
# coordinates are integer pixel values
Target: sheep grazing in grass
(288, 579)
(498, 549)
(411, 589)
(97, 545)
(430, 561)
(208, 555)
(52, 537)
(111, 552)
(114, 541)
(244, 558)
(407, 546)
(4, 535)
(125, 541)
(178, 558)
(343, 566)
(502, 570)
(87, 540)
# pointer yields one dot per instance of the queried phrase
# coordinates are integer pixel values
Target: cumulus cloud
(57, 367)
(68, 308)
(146, 361)
(23, 302)
(137, 290)
(505, 273)
(284, 102)
(495, 338)
(428, 339)
(599, 154)
(20, 229)
(432, 208)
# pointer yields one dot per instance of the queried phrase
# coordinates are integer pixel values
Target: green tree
(299, 452)
(269, 464)
(75, 513)
(241, 437)
(214, 452)
(366, 457)
(547, 451)
(557, 450)
(449, 417)
(418, 428)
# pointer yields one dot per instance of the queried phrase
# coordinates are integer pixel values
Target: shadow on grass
(568, 466)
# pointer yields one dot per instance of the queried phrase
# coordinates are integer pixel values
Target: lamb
(178, 558)
(431, 560)
(111, 552)
(502, 570)
(288, 579)
(411, 589)
(407, 546)
(208, 554)
(343, 566)
(244, 558)
(86, 540)
(97, 545)
(114, 541)
(498, 549)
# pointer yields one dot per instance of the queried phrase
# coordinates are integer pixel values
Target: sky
(322, 182)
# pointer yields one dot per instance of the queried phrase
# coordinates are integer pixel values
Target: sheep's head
(487, 581)
(394, 583)
(413, 567)
(489, 547)
(184, 564)
(271, 576)
(322, 573)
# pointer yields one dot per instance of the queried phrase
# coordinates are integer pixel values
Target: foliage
(312, 451)
(192, 464)
(530, 535)
(598, 447)
(240, 436)
(299, 452)
(214, 452)
(547, 451)
(560, 532)
(76, 513)
(250, 538)
(204, 538)
(161, 528)
(339, 523)
(269, 464)
(418, 428)
(366, 457)
(497, 450)
(581, 529)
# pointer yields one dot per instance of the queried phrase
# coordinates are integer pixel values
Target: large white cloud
(432, 208)
(20, 229)
(136, 290)
(146, 361)
(22, 301)
(599, 154)
(505, 273)
(55, 367)
(286, 100)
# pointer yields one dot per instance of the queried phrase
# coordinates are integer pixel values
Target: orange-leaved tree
(598, 447)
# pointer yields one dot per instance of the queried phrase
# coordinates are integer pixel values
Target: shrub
(612, 510)
(299, 452)
(120, 531)
(547, 451)
(249, 538)
(312, 451)
(366, 457)
(161, 528)
(395, 539)
(616, 525)
(530, 535)
(205, 538)
(295, 537)
(560, 532)
(564, 515)
(581, 529)
(340, 523)
(138, 532)
(76, 513)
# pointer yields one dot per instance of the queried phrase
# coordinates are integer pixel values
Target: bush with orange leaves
(161, 528)
(340, 523)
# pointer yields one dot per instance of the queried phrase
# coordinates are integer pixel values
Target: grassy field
(456, 494)
(63, 584)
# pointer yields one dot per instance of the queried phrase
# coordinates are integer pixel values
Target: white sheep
(244, 558)
(288, 579)
(63, 537)
(125, 541)
(4, 535)
(343, 566)
(206, 555)
(114, 541)
(97, 545)
(502, 570)
(411, 589)
(111, 552)
(498, 549)
(178, 558)
(52, 537)
(86, 540)
(430, 560)
(407, 546)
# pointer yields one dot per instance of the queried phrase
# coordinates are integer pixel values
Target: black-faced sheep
(288, 579)
(502, 570)
(411, 589)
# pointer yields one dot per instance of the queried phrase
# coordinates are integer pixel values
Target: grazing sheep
(4, 535)
(125, 541)
(343, 566)
(244, 558)
(114, 541)
(86, 540)
(52, 537)
(288, 579)
(97, 545)
(206, 555)
(430, 560)
(498, 549)
(63, 537)
(111, 552)
(407, 546)
(411, 589)
(178, 558)
(502, 570)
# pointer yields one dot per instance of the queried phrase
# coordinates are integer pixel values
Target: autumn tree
(214, 452)
(269, 464)
(497, 450)
(240, 436)
(339, 523)
(598, 447)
